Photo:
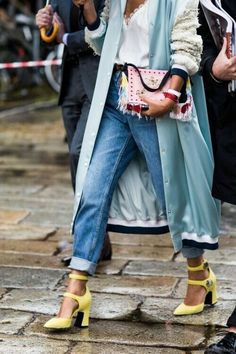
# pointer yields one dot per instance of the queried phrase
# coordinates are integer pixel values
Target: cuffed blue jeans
(119, 138)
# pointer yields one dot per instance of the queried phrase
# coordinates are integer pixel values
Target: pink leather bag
(153, 83)
(146, 82)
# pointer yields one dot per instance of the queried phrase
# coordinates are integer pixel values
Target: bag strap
(148, 88)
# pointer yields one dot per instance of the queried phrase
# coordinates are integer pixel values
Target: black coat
(222, 116)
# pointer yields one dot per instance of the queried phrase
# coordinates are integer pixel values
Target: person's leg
(74, 114)
(113, 151)
(74, 133)
(228, 343)
(201, 283)
(75, 111)
(146, 137)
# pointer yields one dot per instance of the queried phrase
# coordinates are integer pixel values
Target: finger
(233, 61)
(224, 46)
(56, 18)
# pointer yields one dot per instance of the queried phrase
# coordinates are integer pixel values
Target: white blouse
(134, 40)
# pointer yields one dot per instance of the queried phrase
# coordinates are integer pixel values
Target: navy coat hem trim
(138, 230)
(202, 245)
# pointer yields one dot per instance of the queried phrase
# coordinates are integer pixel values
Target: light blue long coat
(186, 155)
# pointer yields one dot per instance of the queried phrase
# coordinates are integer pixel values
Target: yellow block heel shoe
(80, 316)
(209, 284)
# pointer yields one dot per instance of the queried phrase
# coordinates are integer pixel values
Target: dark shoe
(107, 249)
(226, 345)
(105, 255)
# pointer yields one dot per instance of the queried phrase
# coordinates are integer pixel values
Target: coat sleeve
(186, 44)
(76, 41)
(95, 38)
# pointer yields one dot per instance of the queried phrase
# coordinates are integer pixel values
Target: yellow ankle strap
(206, 283)
(72, 296)
(202, 266)
(78, 276)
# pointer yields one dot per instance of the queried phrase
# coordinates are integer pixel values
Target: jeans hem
(83, 265)
(191, 252)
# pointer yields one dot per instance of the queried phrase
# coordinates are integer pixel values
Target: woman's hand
(89, 10)
(157, 108)
(44, 17)
(224, 68)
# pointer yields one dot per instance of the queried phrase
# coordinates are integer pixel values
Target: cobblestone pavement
(133, 295)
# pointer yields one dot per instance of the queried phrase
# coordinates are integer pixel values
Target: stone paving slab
(141, 240)
(104, 306)
(12, 216)
(177, 269)
(37, 204)
(30, 260)
(12, 321)
(31, 345)
(62, 234)
(161, 310)
(38, 174)
(14, 277)
(29, 154)
(155, 268)
(128, 333)
(62, 191)
(113, 267)
(96, 348)
(142, 252)
(53, 218)
(2, 292)
(22, 232)
(225, 290)
(226, 241)
(144, 286)
(23, 246)
(32, 301)
(11, 190)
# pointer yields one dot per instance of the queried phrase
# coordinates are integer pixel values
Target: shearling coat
(185, 147)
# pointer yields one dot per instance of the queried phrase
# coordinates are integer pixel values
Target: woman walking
(144, 170)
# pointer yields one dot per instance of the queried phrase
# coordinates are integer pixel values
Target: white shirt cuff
(65, 38)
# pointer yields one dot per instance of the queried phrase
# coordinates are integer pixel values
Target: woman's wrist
(90, 12)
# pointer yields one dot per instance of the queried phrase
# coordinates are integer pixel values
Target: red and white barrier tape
(30, 64)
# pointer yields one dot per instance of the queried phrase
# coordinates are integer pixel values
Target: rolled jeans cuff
(83, 265)
(191, 252)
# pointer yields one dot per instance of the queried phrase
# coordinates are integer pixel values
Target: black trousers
(232, 319)
(78, 85)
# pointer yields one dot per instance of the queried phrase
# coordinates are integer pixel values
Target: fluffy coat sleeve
(186, 44)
